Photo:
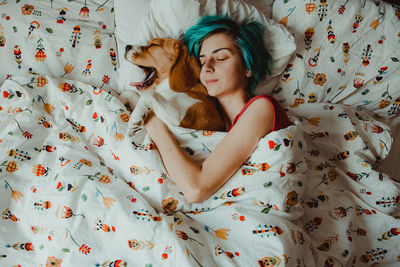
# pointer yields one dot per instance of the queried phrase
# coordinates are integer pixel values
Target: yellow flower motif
(11, 167)
(320, 79)
(314, 121)
(53, 262)
(108, 202)
(374, 24)
(292, 198)
(41, 81)
(49, 108)
(118, 137)
(384, 103)
(284, 21)
(105, 179)
(68, 68)
(16, 195)
(222, 233)
(169, 204)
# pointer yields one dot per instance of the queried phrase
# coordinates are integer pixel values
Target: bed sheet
(71, 39)
(347, 52)
(79, 186)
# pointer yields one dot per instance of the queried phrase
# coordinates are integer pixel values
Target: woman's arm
(200, 182)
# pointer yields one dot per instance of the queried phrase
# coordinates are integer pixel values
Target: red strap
(280, 118)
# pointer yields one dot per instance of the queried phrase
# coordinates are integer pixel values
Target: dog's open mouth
(151, 74)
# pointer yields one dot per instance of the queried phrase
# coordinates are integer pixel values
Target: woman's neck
(232, 104)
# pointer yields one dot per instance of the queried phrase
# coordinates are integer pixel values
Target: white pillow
(171, 18)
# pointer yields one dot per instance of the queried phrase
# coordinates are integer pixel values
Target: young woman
(233, 60)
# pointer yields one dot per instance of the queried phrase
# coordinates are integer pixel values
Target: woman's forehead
(215, 42)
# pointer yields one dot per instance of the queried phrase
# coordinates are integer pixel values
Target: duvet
(80, 187)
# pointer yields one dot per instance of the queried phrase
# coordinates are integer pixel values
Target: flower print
(118, 137)
(169, 204)
(68, 68)
(105, 179)
(83, 248)
(292, 198)
(284, 21)
(84, 12)
(16, 195)
(376, 128)
(86, 162)
(25, 134)
(105, 80)
(222, 233)
(320, 79)
(374, 24)
(124, 117)
(384, 103)
(182, 235)
(11, 166)
(48, 108)
(207, 133)
(68, 213)
(314, 121)
(53, 262)
(27, 9)
(41, 81)
(108, 202)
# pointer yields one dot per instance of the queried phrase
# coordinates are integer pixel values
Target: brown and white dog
(171, 87)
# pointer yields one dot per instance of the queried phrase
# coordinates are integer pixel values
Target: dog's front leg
(142, 107)
(165, 110)
(129, 98)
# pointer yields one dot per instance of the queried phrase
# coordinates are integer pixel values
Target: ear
(248, 73)
(185, 71)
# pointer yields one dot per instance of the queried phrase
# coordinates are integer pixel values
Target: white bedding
(79, 187)
(72, 169)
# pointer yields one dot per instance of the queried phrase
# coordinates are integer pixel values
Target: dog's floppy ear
(185, 71)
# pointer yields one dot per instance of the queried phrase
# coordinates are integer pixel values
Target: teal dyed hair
(247, 37)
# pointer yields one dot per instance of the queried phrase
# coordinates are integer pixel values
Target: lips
(151, 74)
(211, 81)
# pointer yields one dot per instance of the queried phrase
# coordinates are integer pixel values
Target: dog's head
(161, 59)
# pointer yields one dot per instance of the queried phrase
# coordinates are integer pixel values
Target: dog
(171, 87)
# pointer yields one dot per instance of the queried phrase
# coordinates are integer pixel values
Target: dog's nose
(127, 48)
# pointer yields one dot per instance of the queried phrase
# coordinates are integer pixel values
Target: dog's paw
(137, 120)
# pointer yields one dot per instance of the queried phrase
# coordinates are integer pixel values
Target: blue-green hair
(248, 38)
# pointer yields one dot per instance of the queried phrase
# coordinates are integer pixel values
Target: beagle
(171, 87)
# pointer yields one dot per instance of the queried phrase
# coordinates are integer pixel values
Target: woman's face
(222, 68)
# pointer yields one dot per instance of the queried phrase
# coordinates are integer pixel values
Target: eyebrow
(217, 50)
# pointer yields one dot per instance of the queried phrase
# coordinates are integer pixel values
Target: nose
(209, 65)
(127, 48)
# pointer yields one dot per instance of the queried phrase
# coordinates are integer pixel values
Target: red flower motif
(27, 135)
(377, 129)
(106, 79)
(84, 12)
(271, 144)
(6, 94)
(84, 249)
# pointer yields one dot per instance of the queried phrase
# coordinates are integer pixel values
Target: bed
(81, 187)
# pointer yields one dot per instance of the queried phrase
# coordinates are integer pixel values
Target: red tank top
(281, 120)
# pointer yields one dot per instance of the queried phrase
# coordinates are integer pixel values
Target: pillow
(347, 51)
(68, 39)
(166, 19)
